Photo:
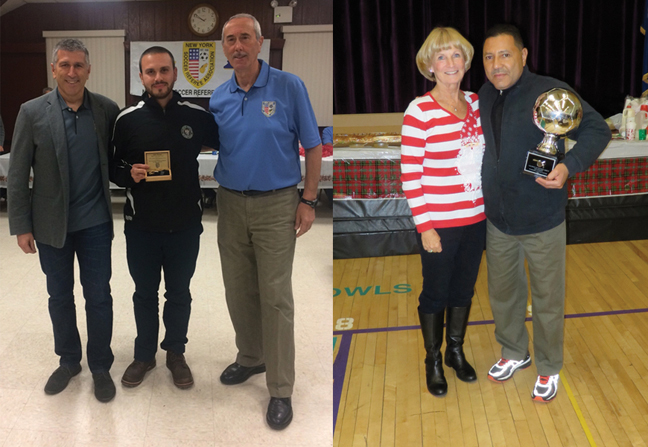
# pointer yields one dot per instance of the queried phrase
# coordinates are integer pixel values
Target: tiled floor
(157, 413)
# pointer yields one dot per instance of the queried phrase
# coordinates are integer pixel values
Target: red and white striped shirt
(441, 158)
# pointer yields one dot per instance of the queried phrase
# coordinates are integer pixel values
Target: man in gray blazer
(64, 137)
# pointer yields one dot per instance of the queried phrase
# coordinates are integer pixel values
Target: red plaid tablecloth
(366, 179)
(611, 177)
(374, 179)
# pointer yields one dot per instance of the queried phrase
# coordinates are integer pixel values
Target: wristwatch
(311, 203)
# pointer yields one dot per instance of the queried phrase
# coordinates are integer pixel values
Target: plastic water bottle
(624, 119)
(642, 122)
(631, 127)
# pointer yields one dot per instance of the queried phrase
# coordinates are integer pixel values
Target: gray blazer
(39, 143)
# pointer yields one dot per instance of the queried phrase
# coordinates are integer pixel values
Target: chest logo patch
(268, 108)
(187, 132)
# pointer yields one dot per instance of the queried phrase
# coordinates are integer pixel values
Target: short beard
(160, 95)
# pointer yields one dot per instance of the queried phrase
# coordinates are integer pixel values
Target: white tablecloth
(615, 149)
(390, 153)
(207, 163)
(621, 149)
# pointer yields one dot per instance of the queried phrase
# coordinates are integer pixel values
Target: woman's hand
(431, 241)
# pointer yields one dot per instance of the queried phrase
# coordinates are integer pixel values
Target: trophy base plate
(539, 164)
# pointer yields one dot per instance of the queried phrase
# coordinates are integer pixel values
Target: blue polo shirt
(260, 131)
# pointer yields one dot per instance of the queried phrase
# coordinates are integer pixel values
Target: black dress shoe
(104, 388)
(134, 374)
(236, 373)
(279, 413)
(60, 378)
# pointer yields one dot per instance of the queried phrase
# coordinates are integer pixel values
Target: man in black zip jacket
(526, 215)
(163, 209)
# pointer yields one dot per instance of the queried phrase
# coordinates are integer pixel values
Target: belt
(254, 192)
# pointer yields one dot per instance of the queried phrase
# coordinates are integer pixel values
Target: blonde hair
(438, 40)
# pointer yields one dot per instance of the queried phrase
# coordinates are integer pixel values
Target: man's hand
(26, 243)
(1, 149)
(138, 172)
(556, 178)
(304, 218)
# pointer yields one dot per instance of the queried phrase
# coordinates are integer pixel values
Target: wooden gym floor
(380, 397)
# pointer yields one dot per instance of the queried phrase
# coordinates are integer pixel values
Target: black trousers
(149, 253)
(449, 277)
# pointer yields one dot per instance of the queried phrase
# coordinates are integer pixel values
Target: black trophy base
(539, 164)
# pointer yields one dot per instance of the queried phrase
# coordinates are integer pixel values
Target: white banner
(201, 65)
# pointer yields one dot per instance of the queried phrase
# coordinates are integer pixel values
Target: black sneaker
(60, 378)
(104, 388)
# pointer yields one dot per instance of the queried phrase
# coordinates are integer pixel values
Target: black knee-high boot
(432, 328)
(457, 322)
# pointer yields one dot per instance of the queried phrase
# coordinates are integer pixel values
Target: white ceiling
(10, 5)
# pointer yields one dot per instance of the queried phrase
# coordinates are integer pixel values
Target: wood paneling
(22, 29)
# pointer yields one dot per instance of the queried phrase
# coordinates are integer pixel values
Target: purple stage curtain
(594, 45)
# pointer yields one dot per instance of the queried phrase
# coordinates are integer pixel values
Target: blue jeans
(449, 277)
(92, 248)
(148, 253)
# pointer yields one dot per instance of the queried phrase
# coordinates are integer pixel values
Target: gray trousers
(508, 291)
(256, 240)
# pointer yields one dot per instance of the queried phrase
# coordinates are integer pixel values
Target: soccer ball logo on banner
(198, 62)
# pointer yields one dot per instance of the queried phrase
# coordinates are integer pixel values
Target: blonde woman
(442, 150)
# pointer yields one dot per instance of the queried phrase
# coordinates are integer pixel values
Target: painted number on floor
(344, 324)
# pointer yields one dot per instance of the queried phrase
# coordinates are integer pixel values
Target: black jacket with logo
(513, 201)
(182, 128)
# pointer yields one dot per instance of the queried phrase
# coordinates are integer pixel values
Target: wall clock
(203, 20)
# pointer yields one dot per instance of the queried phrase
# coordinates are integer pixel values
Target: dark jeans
(449, 277)
(149, 253)
(92, 248)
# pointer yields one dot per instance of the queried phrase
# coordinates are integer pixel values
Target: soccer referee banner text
(201, 66)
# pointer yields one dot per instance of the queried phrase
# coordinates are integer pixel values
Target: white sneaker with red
(545, 388)
(504, 368)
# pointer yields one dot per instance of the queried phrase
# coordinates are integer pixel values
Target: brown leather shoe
(180, 371)
(135, 373)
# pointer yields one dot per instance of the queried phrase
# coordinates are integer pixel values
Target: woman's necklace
(445, 102)
(452, 105)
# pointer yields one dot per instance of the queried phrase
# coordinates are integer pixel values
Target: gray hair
(257, 26)
(70, 45)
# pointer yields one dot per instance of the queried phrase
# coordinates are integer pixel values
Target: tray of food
(366, 140)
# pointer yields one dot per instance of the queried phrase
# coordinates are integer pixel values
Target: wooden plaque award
(159, 163)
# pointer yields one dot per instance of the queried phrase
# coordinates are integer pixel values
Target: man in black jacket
(163, 209)
(526, 215)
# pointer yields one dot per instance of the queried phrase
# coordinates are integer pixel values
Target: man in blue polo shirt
(262, 114)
